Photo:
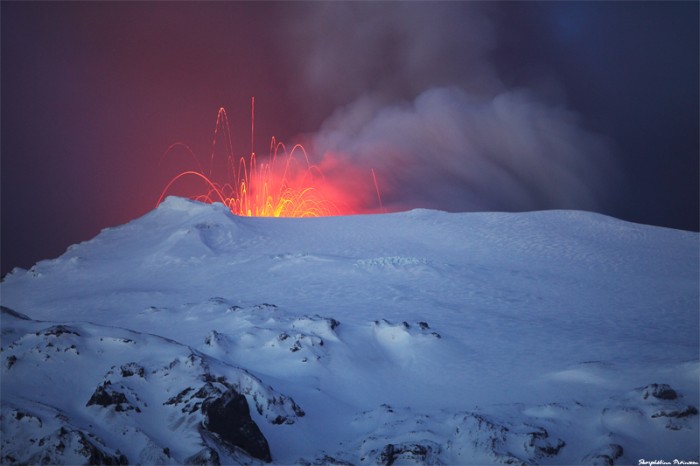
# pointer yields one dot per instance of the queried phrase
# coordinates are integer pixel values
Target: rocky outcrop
(205, 457)
(659, 391)
(202, 403)
(63, 445)
(105, 395)
(407, 453)
(228, 416)
(605, 456)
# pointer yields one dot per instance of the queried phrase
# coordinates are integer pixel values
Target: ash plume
(414, 94)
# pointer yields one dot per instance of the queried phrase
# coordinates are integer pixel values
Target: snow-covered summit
(547, 337)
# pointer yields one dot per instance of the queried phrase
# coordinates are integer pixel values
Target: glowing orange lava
(285, 185)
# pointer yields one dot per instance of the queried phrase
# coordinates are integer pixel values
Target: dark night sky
(457, 106)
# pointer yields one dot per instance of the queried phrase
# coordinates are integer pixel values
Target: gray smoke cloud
(418, 100)
(450, 150)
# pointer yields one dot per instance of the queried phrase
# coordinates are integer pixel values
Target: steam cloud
(450, 150)
(417, 99)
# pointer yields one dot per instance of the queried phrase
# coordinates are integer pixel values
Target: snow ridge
(192, 336)
(148, 394)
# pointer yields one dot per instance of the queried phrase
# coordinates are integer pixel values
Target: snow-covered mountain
(194, 336)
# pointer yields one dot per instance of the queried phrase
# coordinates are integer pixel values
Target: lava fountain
(285, 184)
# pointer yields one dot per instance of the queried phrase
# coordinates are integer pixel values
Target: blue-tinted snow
(552, 320)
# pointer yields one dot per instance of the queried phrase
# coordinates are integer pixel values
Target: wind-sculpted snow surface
(153, 400)
(414, 338)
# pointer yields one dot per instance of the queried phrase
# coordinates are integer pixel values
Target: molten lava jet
(286, 184)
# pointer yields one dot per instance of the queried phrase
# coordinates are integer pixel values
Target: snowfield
(192, 336)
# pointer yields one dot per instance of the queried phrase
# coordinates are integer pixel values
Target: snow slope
(552, 337)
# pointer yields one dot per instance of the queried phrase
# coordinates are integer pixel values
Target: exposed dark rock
(406, 451)
(97, 456)
(63, 443)
(279, 420)
(205, 457)
(687, 412)
(605, 456)
(179, 398)
(543, 445)
(102, 397)
(19, 415)
(195, 360)
(129, 369)
(325, 460)
(212, 339)
(220, 416)
(423, 327)
(105, 395)
(265, 403)
(229, 417)
(207, 377)
(72, 347)
(10, 361)
(332, 323)
(58, 330)
(661, 391)
(207, 391)
(193, 402)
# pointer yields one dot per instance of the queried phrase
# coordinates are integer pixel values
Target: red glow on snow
(285, 184)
